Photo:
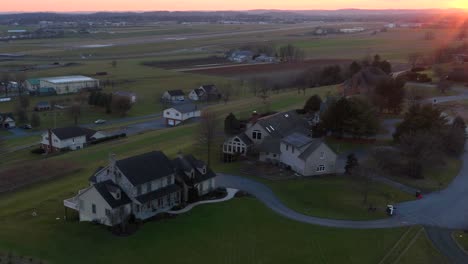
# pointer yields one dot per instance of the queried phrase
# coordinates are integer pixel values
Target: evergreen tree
(351, 163)
(313, 104)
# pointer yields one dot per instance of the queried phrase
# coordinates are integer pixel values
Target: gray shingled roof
(282, 124)
(175, 92)
(297, 140)
(106, 187)
(189, 162)
(245, 139)
(186, 108)
(158, 193)
(72, 132)
(314, 144)
(146, 167)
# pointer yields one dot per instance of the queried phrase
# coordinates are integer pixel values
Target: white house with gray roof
(178, 114)
(283, 139)
(307, 156)
(141, 186)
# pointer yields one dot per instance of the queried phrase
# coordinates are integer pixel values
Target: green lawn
(462, 239)
(335, 197)
(422, 251)
(239, 231)
(434, 178)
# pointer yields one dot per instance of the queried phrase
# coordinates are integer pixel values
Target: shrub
(38, 151)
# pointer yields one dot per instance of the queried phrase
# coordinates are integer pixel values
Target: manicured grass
(435, 178)
(462, 239)
(239, 231)
(422, 251)
(335, 197)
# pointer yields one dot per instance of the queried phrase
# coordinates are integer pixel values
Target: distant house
(42, 106)
(68, 138)
(141, 187)
(173, 96)
(33, 85)
(241, 56)
(180, 113)
(7, 120)
(265, 58)
(131, 96)
(363, 82)
(207, 92)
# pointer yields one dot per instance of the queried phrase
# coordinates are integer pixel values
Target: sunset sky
(145, 5)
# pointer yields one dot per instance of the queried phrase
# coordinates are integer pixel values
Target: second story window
(256, 134)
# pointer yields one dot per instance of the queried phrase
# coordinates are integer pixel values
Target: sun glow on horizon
(463, 4)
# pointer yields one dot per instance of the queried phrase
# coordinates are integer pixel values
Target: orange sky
(141, 5)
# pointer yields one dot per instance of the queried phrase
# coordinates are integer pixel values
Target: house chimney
(112, 163)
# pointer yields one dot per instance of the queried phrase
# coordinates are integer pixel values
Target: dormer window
(256, 134)
(204, 170)
(117, 196)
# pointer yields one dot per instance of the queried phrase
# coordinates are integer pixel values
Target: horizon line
(239, 10)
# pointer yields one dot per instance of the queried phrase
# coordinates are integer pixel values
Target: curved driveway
(445, 209)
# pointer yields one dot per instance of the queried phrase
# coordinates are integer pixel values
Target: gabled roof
(106, 187)
(145, 167)
(199, 91)
(43, 104)
(72, 132)
(185, 163)
(297, 140)
(175, 93)
(4, 116)
(283, 124)
(316, 142)
(245, 139)
(209, 88)
(158, 193)
(185, 108)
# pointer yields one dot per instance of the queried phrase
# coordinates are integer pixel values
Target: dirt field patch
(242, 71)
(27, 173)
(186, 63)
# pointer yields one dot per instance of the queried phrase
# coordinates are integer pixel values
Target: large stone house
(141, 187)
(68, 138)
(283, 139)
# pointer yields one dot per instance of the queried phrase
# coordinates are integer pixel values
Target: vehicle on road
(100, 121)
(27, 126)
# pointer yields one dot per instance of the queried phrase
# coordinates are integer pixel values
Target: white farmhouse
(179, 113)
(307, 156)
(65, 138)
(7, 121)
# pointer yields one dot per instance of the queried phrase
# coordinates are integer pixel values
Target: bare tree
(21, 78)
(121, 105)
(226, 92)
(5, 79)
(75, 112)
(363, 180)
(207, 133)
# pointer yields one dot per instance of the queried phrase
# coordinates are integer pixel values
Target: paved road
(444, 209)
(442, 239)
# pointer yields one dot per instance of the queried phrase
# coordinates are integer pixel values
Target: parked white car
(100, 121)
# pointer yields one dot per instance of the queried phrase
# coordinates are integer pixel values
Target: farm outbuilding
(69, 84)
